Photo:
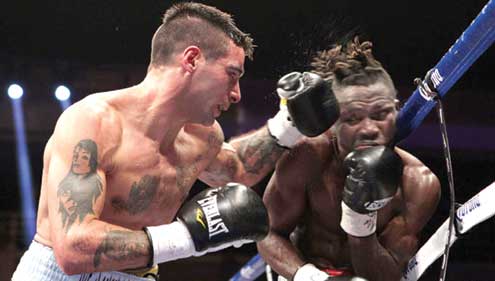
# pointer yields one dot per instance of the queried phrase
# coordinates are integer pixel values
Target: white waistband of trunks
(38, 264)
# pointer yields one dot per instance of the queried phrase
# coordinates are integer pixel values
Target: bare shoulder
(92, 110)
(212, 135)
(417, 172)
(307, 158)
(420, 187)
(317, 148)
(91, 118)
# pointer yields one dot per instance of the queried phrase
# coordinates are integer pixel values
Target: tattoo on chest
(140, 196)
(259, 151)
(185, 175)
(121, 245)
(81, 187)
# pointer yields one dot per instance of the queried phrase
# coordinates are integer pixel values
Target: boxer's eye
(233, 76)
(351, 119)
(381, 115)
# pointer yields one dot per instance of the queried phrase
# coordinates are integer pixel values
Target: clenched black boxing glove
(214, 219)
(224, 215)
(307, 107)
(374, 175)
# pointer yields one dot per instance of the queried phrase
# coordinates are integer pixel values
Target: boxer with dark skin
(304, 195)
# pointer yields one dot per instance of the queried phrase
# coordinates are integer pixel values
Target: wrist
(283, 130)
(170, 242)
(310, 272)
(357, 224)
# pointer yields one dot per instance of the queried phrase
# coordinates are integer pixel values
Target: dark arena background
(92, 46)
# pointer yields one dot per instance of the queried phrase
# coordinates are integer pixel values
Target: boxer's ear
(190, 58)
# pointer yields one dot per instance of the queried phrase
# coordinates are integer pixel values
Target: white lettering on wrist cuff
(171, 242)
(356, 224)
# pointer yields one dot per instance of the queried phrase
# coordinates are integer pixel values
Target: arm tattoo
(81, 187)
(259, 151)
(119, 245)
(140, 196)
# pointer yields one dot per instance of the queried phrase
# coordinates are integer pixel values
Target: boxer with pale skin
(349, 202)
(120, 164)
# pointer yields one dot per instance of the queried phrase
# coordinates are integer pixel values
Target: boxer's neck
(155, 107)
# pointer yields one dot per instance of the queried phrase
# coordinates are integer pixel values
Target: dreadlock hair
(351, 64)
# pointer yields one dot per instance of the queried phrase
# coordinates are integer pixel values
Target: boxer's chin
(209, 121)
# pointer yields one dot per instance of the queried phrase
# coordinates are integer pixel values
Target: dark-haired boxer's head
(366, 95)
(205, 44)
(193, 24)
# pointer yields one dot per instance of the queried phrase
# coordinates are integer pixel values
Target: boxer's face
(367, 116)
(80, 161)
(219, 86)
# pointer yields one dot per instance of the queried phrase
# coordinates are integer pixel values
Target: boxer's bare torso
(146, 181)
(310, 189)
(319, 237)
(122, 160)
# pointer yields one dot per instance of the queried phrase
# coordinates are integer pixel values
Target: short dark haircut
(188, 23)
(350, 64)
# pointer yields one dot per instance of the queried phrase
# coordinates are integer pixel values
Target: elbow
(69, 259)
(69, 267)
(67, 263)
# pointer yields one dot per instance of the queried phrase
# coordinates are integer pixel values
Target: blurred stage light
(15, 91)
(23, 169)
(62, 93)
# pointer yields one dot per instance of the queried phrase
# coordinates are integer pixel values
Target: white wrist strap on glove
(356, 224)
(173, 241)
(310, 272)
(170, 242)
(282, 128)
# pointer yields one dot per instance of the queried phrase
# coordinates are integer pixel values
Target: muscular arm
(285, 199)
(384, 256)
(76, 189)
(245, 159)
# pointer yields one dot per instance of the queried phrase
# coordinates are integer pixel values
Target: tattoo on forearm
(140, 196)
(119, 245)
(259, 151)
(81, 187)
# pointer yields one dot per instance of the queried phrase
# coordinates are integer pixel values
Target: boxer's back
(146, 181)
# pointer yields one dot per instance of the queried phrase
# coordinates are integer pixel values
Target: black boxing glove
(214, 219)
(226, 214)
(307, 107)
(374, 175)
